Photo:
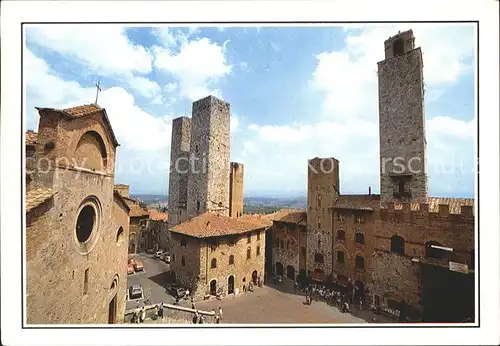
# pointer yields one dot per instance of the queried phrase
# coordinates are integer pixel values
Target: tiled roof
(357, 202)
(257, 218)
(155, 215)
(211, 224)
(298, 217)
(137, 211)
(81, 111)
(122, 199)
(31, 137)
(36, 197)
(434, 202)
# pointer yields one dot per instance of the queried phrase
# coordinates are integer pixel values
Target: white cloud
(134, 128)
(348, 77)
(234, 123)
(145, 87)
(196, 66)
(104, 49)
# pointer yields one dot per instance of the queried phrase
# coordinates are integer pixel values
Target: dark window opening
(249, 253)
(249, 238)
(397, 245)
(340, 256)
(183, 242)
(393, 304)
(232, 241)
(319, 243)
(318, 258)
(398, 47)
(360, 262)
(86, 281)
(258, 235)
(197, 205)
(231, 259)
(277, 243)
(303, 250)
(183, 261)
(340, 235)
(213, 263)
(258, 250)
(85, 223)
(360, 238)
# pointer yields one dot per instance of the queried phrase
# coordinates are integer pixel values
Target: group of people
(139, 314)
(199, 318)
(343, 300)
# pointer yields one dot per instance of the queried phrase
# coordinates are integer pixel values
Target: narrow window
(360, 262)
(86, 281)
(258, 250)
(340, 256)
(258, 235)
(183, 261)
(249, 253)
(398, 245)
(231, 259)
(213, 264)
(183, 242)
(303, 250)
(249, 238)
(360, 238)
(398, 47)
(340, 235)
(277, 243)
(197, 205)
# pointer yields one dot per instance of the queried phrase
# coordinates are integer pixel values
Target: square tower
(179, 168)
(322, 190)
(208, 183)
(403, 176)
(236, 189)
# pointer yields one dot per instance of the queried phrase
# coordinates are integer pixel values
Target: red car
(130, 269)
(138, 266)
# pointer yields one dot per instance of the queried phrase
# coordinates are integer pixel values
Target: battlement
(455, 208)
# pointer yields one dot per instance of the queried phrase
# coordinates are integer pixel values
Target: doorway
(230, 285)
(290, 272)
(279, 269)
(112, 311)
(213, 287)
(359, 289)
(254, 277)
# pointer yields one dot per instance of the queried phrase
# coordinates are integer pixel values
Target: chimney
(369, 190)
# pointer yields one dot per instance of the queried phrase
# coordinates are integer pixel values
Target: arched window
(432, 252)
(360, 238)
(213, 264)
(183, 261)
(119, 235)
(340, 256)
(231, 259)
(183, 242)
(398, 245)
(360, 262)
(398, 47)
(340, 235)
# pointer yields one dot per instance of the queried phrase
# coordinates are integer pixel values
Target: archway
(290, 272)
(230, 285)
(254, 277)
(279, 269)
(213, 287)
(359, 289)
(131, 248)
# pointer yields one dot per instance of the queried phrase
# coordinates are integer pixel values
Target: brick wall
(293, 238)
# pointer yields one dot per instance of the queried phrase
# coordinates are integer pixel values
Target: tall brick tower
(236, 189)
(402, 121)
(179, 168)
(208, 183)
(322, 189)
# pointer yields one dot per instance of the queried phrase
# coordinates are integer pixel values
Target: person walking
(217, 319)
(195, 317)
(160, 310)
(220, 312)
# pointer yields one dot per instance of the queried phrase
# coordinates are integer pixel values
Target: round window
(85, 223)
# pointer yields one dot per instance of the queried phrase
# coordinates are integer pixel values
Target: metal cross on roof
(98, 86)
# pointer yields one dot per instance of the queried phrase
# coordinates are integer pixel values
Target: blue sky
(295, 93)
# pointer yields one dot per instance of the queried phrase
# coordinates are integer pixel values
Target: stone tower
(179, 168)
(208, 183)
(236, 189)
(322, 190)
(402, 121)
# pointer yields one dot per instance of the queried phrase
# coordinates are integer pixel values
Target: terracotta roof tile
(298, 217)
(155, 215)
(36, 197)
(31, 137)
(434, 202)
(80, 111)
(357, 202)
(211, 224)
(137, 211)
(257, 218)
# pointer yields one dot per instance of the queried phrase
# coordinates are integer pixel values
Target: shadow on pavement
(163, 279)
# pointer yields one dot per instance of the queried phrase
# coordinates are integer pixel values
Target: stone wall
(56, 260)
(208, 182)
(186, 274)
(352, 222)
(160, 234)
(242, 268)
(122, 189)
(236, 189)
(288, 241)
(402, 123)
(179, 170)
(322, 190)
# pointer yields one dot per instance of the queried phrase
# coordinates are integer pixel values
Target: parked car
(162, 257)
(150, 251)
(176, 291)
(138, 266)
(167, 258)
(158, 254)
(131, 261)
(135, 292)
(130, 269)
